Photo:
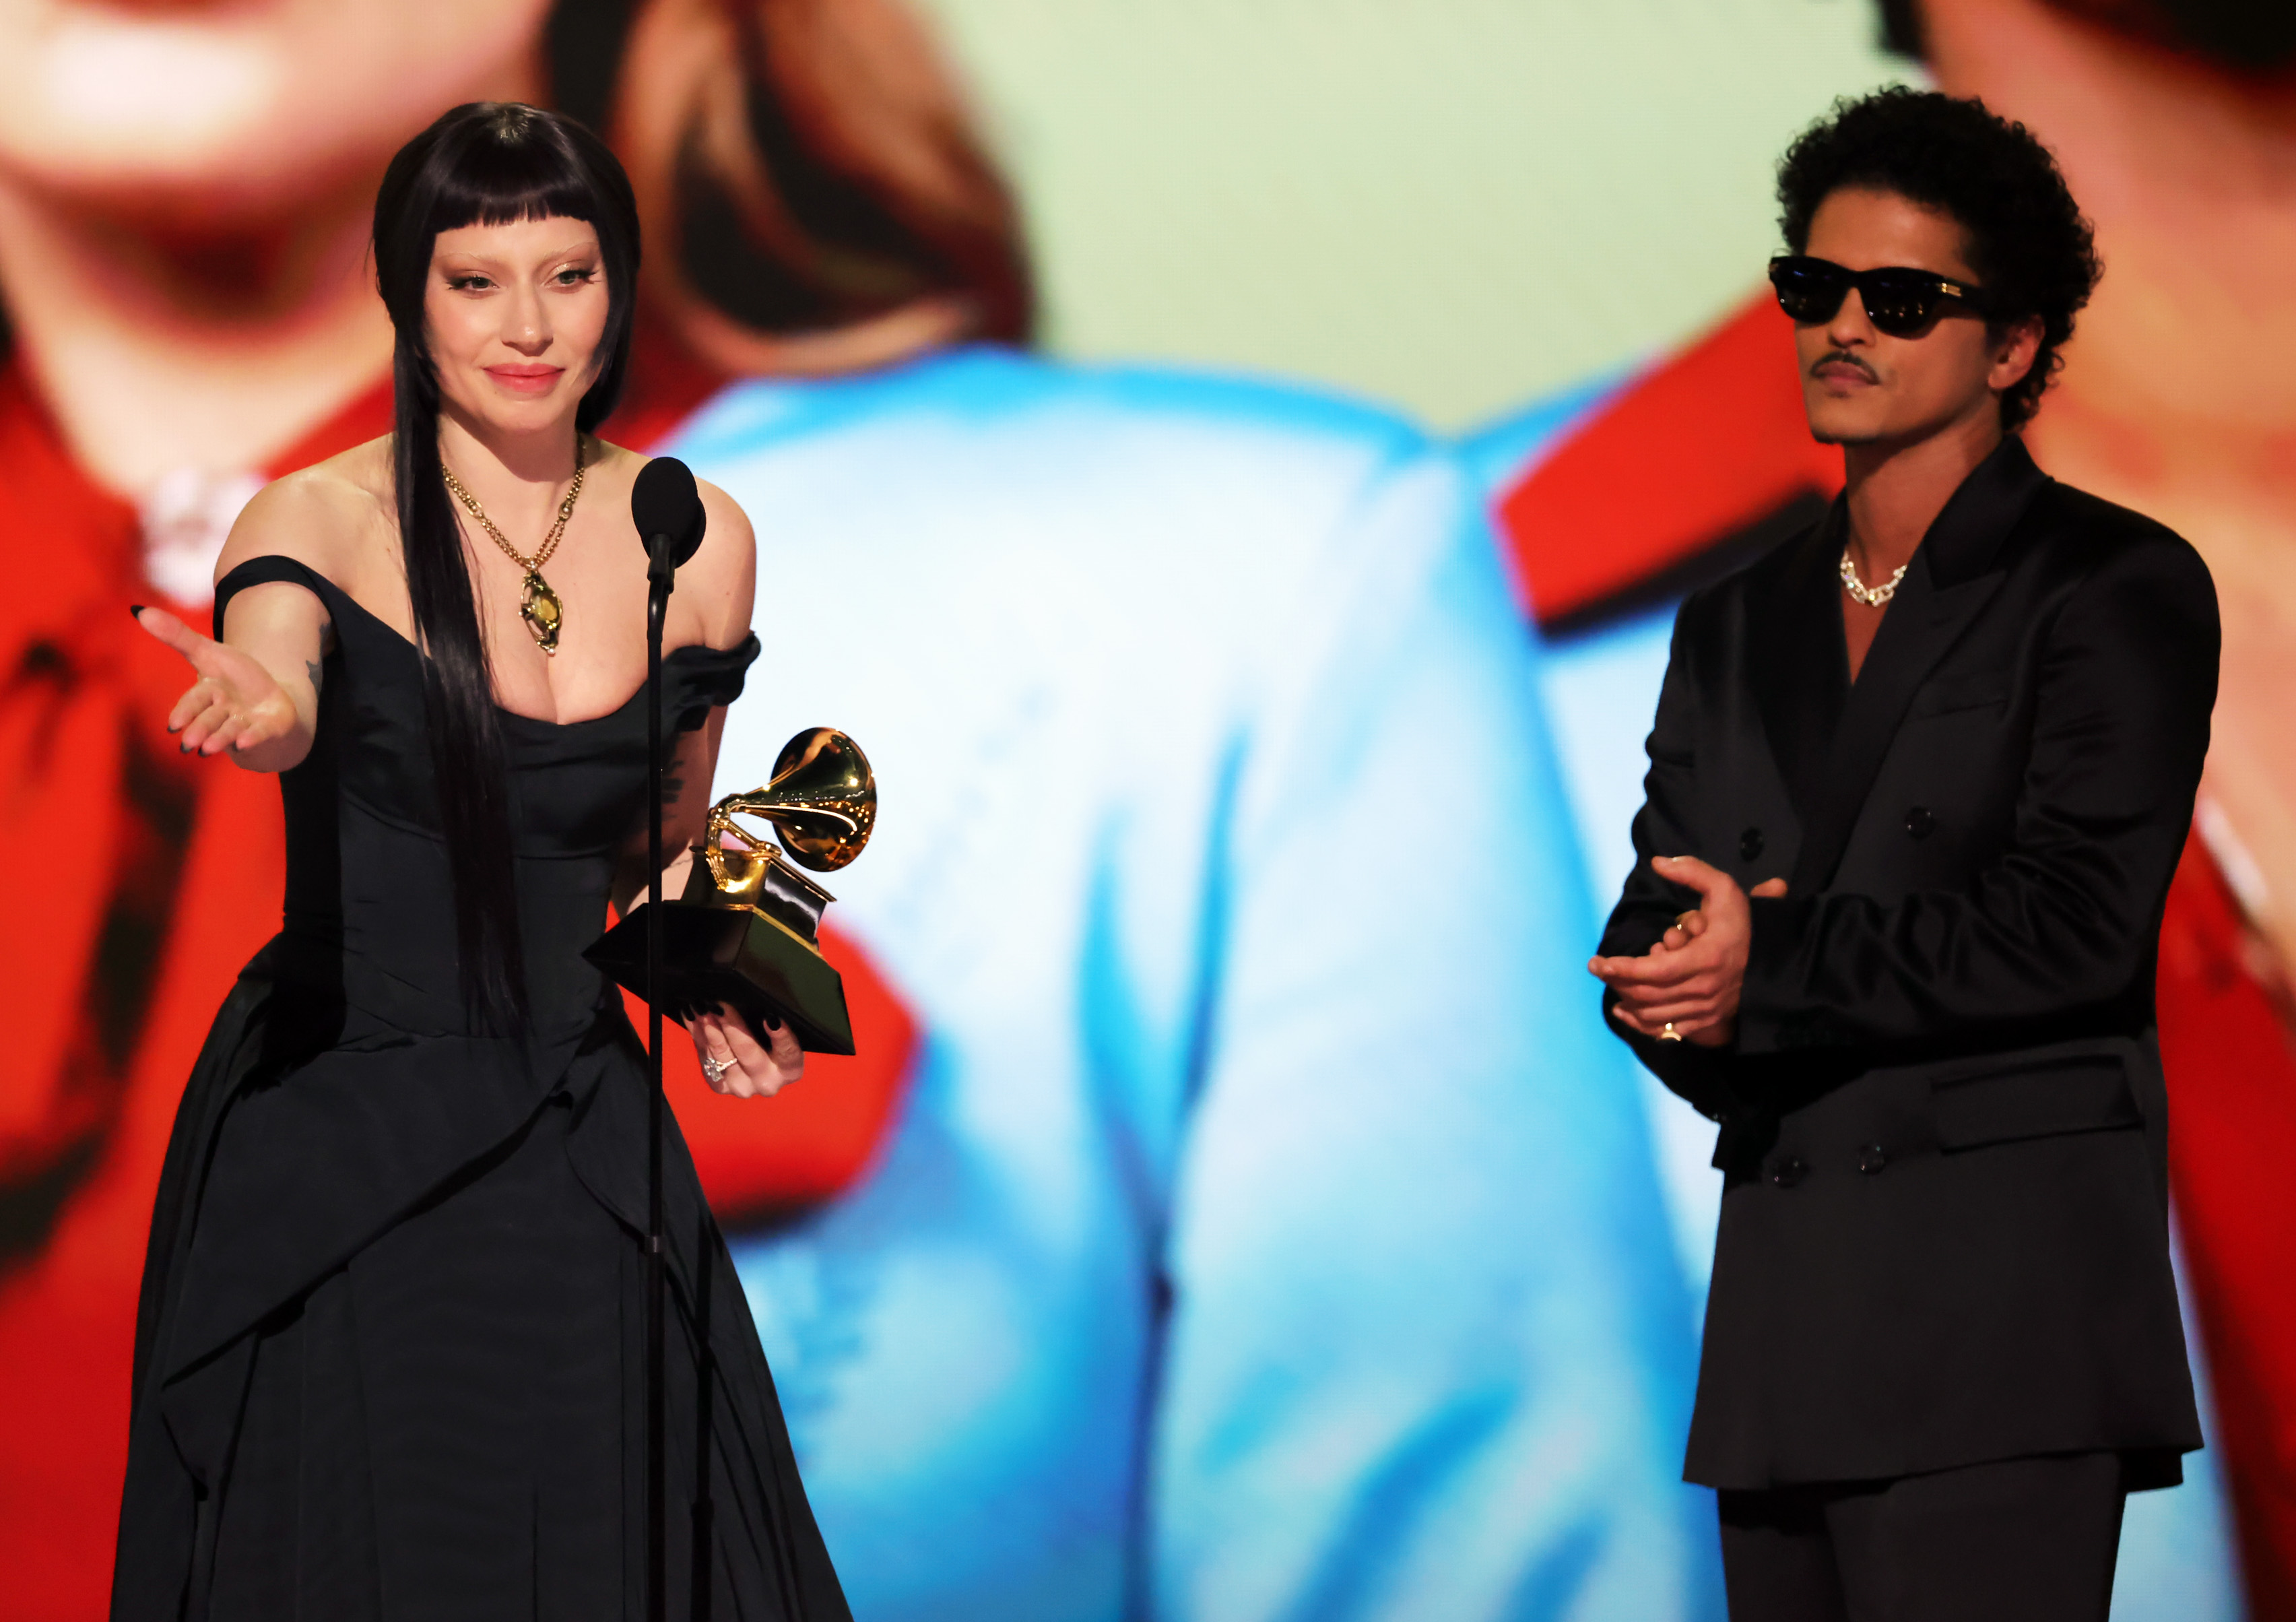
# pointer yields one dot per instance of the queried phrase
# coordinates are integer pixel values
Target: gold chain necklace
(539, 607)
(1872, 596)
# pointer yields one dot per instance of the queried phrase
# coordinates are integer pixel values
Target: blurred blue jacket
(1268, 1230)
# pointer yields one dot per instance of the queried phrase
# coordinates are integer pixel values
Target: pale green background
(1457, 205)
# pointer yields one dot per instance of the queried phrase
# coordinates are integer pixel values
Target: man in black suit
(1919, 779)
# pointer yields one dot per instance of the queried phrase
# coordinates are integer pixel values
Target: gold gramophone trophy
(747, 931)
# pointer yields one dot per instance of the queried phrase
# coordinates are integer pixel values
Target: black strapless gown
(390, 1354)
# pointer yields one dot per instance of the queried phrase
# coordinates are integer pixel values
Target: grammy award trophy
(747, 931)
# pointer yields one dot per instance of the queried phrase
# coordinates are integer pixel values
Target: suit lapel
(1796, 660)
(1951, 579)
(1921, 624)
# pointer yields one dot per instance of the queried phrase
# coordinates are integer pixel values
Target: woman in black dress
(391, 1356)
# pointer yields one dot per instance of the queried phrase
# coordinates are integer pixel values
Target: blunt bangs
(498, 181)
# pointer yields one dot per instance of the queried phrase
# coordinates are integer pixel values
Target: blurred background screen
(1233, 463)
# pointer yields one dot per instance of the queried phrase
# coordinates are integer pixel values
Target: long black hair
(485, 163)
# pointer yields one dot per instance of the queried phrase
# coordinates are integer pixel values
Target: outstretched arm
(255, 694)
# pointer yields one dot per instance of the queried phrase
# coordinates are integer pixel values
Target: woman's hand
(235, 702)
(735, 1063)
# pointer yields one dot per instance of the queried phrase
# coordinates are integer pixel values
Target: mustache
(1846, 358)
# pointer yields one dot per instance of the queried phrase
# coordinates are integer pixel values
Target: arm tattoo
(317, 667)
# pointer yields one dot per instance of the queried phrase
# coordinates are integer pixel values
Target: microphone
(666, 507)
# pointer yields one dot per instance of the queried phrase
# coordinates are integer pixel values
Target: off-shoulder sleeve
(697, 679)
(269, 569)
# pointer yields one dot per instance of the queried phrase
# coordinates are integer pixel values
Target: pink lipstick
(531, 379)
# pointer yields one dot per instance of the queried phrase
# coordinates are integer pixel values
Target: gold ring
(1682, 920)
(1667, 1033)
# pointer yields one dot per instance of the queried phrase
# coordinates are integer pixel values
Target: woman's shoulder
(327, 517)
(723, 572)
(726, 567)
(614, 469)
(726, 516)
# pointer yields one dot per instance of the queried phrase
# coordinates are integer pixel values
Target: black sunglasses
(1897, 301)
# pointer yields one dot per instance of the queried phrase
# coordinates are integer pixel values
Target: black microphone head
(664, 501)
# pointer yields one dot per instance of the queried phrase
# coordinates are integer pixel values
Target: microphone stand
(667, 510)
(662, 579)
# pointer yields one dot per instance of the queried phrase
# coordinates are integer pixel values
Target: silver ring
(715, 1067)
(1667, 1033)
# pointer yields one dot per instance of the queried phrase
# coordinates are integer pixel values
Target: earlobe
(2018, 351)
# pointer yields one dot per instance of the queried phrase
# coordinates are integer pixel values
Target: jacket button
(1788, 1170)
(1921, 821)
(1750, 845)
(1871, 1158)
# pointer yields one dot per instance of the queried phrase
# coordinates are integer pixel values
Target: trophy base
(736, 955)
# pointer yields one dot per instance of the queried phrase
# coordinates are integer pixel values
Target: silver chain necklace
(1872, 596)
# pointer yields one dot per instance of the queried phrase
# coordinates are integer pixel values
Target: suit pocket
(1978, 689)
(2033, 1098)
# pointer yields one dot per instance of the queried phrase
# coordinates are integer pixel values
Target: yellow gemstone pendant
(539, 607)
(541, 611)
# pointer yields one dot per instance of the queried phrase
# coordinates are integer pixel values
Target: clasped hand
(1692, 979)
(735, 1061)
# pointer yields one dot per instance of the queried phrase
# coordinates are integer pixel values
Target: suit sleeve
(1428, 1353)
(1648, 903)
(2065, 919)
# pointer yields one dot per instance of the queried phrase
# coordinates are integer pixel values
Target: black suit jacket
(1944, 1234)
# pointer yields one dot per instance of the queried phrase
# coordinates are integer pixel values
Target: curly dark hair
(2033, 252)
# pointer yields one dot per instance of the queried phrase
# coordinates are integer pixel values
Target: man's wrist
(1773, 922)
(1714, 1038)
